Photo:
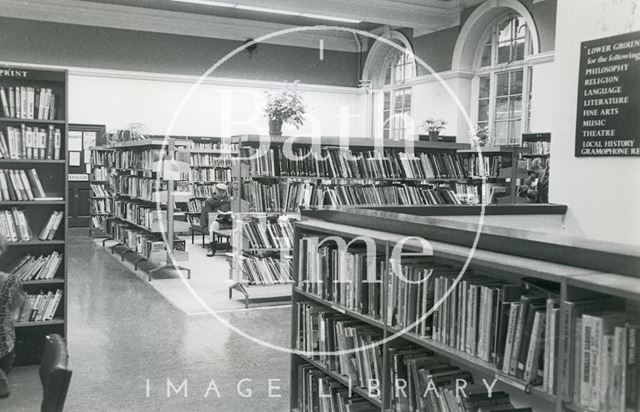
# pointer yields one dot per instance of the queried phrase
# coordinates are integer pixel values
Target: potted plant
(481, 136)
(284, 106)
(433, 127)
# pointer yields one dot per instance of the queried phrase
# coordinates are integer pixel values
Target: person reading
(216, 215)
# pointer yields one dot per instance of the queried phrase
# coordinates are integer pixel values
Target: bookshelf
(100, 196)
(137, 193)
(33, 134)
(556, 270)
(279, 176)
(501, 169)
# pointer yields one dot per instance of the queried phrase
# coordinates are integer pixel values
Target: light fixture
(268, 10)
(208, 3)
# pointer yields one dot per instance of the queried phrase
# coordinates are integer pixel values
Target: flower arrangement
(481, 136)
(285, 106)
(434, 125)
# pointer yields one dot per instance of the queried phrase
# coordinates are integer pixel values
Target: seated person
(537, 183)
(11, 299)
(219, 203)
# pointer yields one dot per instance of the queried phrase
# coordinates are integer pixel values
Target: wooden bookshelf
(30, 336)
(522, 255)
(99, 159)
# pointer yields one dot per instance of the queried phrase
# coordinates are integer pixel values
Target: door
(81, 138)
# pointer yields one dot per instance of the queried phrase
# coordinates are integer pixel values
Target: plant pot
(433, 136)
(275, 127)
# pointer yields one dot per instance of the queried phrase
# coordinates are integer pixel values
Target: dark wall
(436, 49)
(27, 41)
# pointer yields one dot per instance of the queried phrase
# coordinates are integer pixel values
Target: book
(49, 230)
(28, 102)
(41, 307)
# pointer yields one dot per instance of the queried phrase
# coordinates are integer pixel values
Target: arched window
(503, 79)
(388, 69)
(399, 67)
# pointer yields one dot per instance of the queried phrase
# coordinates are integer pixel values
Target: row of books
(30, 267)
(22, 102)
(210, 175)
(100, 157)
(31, 143)
(195, 205)
(265, 270)
(148, 217)
(134, 186)
(318, 392)
(135, 159)
(99, 191)
(291, 195)
(475, 194)
(269, 234)
(15, 226)
(343, 163)
(215, 146)
(148, 245)
(203, 191)
(39, 308)
(539, 147)
(102, 206)
(99, 222)
(100, 174)
(209, 160)
(322, 332)
(601, 348)
(20, 184)
(487, 166)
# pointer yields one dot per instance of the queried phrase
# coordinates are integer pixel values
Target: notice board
(608, 118)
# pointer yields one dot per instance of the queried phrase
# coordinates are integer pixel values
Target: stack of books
(28, 103)
(209, 160)
(489, 166)
(137, 187)
(265, 270)
(145, 216)
(100, 174)
(271, 234)
(99, 191)
(102, 206)
(210, 175)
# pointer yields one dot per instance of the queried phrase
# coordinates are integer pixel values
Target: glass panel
(516, 82)
(483, 110)
(502, 80)
(501, 132)
(521, 28)
(387, 75)
(398, 102)
(407, 100)
(385, 134)
(505, 29)
(502, 107)
(485, 86)
(504, 50)
(486, 56)
(518, 50)
(515, 107)
(514, 132)
(387, 100)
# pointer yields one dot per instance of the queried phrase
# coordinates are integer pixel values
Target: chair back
(54, 374)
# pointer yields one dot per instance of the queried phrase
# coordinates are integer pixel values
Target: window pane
(505, 29)
(387, 100)
(516, 82)
(485, 86)
(502, 80)
(502, 129)
(503, 52)
(521, 27)
(385, 134)
(387, 75)
(407, 101)
(483, 110)
(514, 132)
(502, 108)
(515, 107)
(486, 56)
(518, 50)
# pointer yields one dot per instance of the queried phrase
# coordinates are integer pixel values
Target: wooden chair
(54, 374)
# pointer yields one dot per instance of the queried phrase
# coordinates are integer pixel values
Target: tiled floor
(127, 342)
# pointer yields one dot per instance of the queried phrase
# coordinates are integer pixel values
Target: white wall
(544, 85)
(221, 109)
(602, 193)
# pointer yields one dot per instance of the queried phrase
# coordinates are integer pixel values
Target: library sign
(608, 121)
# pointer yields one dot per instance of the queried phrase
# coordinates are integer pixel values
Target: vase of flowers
(481, 136)
(433, 127)
(284, 106)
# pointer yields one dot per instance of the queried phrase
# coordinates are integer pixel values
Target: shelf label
(609, 97)
(78, 177)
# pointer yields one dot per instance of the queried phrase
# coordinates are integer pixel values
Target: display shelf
(31, 202)
(32, 121)
(144, 228)
(33, 161)
(36, 243)
(54, 281)
(32, 324)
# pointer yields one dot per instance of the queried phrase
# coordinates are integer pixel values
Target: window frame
(494, 69)
(397, 89)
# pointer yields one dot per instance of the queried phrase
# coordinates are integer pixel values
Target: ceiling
(179, 17)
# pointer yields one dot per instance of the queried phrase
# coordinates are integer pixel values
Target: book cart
(262, 166)
(577, 271)
(37, 87)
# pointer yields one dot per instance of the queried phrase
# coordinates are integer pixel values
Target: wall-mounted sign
(78, 177)
(608, 120)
